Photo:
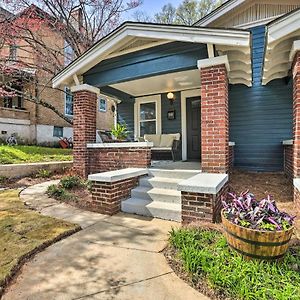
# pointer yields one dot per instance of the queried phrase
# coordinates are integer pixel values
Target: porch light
(171, 97)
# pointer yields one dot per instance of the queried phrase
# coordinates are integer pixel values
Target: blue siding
(260, 116)
(172, 57)
(126, 116)
(171, 126)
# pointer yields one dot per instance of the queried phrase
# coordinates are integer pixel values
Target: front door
(193, 116)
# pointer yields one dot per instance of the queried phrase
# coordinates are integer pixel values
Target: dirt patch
(15, 183)
(263, 184)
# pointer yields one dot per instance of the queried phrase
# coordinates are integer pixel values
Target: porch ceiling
(282, 43)
(131, 37)
(172, 82)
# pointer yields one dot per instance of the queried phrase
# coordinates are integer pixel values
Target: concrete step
(160, 182)
(149, 208)
(180, 174)
(156, 194)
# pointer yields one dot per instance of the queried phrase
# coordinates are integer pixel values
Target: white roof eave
(282, 43)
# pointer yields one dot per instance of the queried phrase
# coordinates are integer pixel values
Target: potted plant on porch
(120, 133)
(256, 229)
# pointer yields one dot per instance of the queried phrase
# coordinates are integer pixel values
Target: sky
(153, 6)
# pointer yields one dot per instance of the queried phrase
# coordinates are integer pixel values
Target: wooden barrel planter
(255, 244)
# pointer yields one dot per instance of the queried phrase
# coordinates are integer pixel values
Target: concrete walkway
(111, 258)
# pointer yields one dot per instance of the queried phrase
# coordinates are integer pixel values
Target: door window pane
(147, 111)
(147, 128)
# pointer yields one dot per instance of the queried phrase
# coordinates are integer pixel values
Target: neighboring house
(234, 82)
(35, 123)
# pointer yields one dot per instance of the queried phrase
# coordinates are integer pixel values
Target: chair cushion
(153, 138)
(161, 148)
(166, 140)
(176, 136)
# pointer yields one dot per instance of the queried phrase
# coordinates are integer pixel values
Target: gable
(249, 13)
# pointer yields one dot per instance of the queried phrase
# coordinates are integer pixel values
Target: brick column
(214, 115)
(296, 115)
(84, 125)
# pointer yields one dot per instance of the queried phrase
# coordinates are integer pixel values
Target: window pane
(102, 105)
(58, 131)
(147, 128)
(69, 102)
(147, 111)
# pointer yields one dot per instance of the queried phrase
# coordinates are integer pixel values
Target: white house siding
(21, 127)
(44, 134)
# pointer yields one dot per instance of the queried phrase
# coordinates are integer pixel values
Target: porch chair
(164, 142)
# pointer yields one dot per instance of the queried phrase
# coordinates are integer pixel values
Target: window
(148, 116)
(69, 53)
(102, 104)
(68, 102)
(58, 131)
(13, 52)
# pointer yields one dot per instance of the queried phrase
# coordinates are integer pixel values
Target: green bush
(58, 192)
(43, 173)
(70, 182)
(206, 256)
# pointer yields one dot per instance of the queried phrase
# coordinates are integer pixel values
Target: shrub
(43, 173)
(58, 192)
(206, 257)
(246, 211)
(70, 182)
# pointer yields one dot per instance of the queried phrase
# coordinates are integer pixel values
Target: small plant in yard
(65, 189)
(246, 211)
(70, 182)
(120, 132)
(211, 264)
(43, 173)
(60, 193)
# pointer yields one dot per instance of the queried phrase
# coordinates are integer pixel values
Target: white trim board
(184, 96)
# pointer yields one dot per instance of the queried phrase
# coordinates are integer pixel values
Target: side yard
(24, 232)
(31, 154)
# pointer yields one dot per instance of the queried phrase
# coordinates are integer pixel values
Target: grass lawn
(204, 259)
(23, 232)
(23, 154)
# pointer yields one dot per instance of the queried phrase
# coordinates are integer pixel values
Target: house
(233, 79)
(35, 123)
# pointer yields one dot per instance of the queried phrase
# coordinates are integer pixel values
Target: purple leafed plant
(246, 211)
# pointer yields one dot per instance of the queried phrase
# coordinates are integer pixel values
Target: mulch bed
(263, 184)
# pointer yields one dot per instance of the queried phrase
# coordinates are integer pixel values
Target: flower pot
(256, 244)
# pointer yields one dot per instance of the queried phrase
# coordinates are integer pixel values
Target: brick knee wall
(107, 196)
(202, 207)
(214, 120)
(110, 159)
(288, 160)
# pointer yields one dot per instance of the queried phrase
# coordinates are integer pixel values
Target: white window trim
(184, 96)
(65, 98)
(148, 99)
(102, 98)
